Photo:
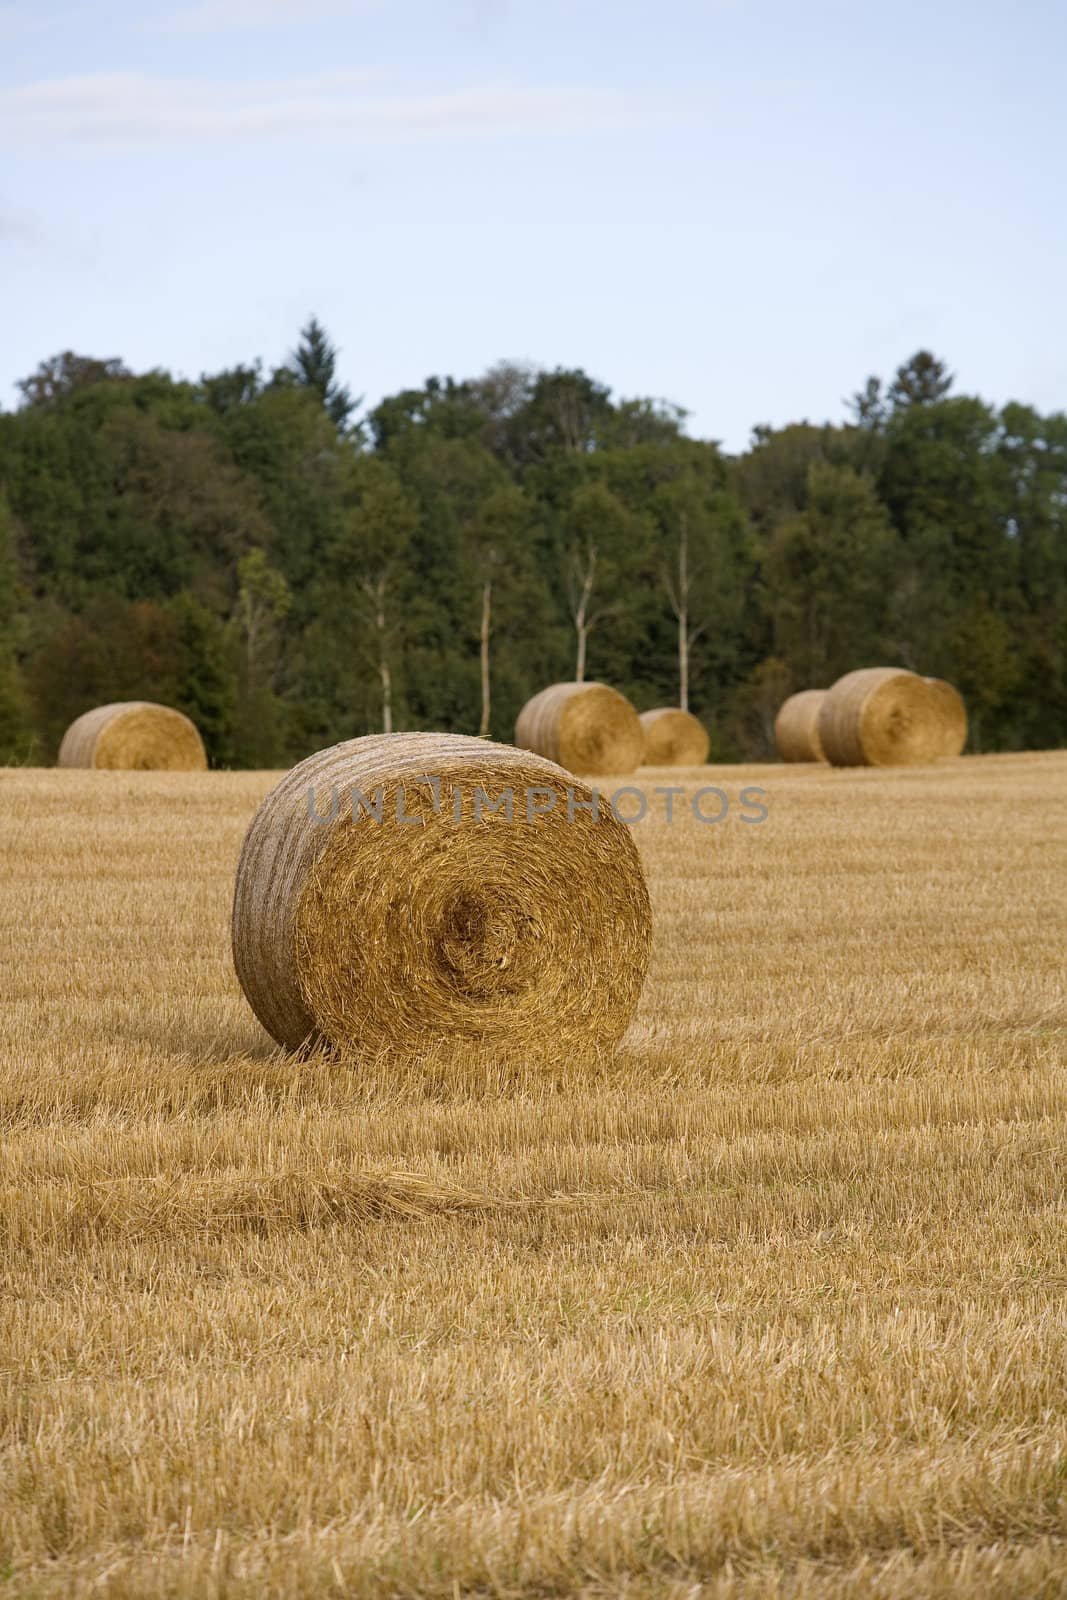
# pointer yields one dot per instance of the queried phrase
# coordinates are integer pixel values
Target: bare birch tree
(263, 602)
(493, 544)
(678, 591)
(382, 519)
(376, 590)
(487, 605)
(581, 577)
(600, 529)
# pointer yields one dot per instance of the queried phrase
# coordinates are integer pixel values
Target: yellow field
(773, 1304)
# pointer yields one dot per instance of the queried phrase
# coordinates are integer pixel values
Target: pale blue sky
(744, 206)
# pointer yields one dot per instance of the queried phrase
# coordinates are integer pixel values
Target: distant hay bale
(673, 738)
(796, 727)
(132, 736)
(881, 717)
(587, 728)
(428, 918)
(954, 715)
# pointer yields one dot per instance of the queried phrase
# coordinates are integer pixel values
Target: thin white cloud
(224, 16)
(132, 110)
(19, 228)
(17, 20)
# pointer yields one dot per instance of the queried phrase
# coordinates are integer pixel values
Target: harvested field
(774, 1303)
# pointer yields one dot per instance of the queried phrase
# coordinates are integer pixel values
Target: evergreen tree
(314, 365)
(921, 381)
(869, 405)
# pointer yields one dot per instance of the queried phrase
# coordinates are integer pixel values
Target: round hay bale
(953, 715)
(796, 727)
(133, 736)
(881, 717)
(673, 738)
(414, 915)
(586, 727)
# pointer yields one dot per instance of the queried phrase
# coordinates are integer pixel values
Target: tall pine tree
(314, 364)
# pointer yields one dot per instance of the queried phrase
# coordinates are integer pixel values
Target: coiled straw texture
(133, 735)
(588, 728)
(881, 717)
(796, 727)
(446, 921)
(674, 738)
(953, 715)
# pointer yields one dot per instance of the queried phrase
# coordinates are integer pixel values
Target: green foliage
(828, 570)
(701, 522)
(921, 381)
(113, 649)
(987, 668)
(237, 386)
(235, 548)
(16, 719)
(11, 594)
(206, 687)
(62, 375)
(18, 742)
(263, 602)
(755, 706)
(314, 365)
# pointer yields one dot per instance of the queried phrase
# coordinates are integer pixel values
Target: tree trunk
(251, 636)
(683, 616)
(387, 696)
(581, 613)
(816, 658)
(383, 662)
(487, 599)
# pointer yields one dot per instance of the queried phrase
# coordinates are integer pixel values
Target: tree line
(291, 569)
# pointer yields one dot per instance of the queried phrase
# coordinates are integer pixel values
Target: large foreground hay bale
(586, 727)
(953, 715)
(796, 727)
(673, 738)
(465, 925)
(881, 717)
(133, 736)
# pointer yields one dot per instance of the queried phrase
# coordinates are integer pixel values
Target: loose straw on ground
(673, 738)
(133, 735)
(446, 921)
(881, 717)
(796, 727)
(588, 728)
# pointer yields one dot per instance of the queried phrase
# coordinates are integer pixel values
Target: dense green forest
(291, 570)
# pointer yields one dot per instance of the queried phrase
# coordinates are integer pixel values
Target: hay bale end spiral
(423, 911)
(674, 738)
(881, 717)
(953, 715)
